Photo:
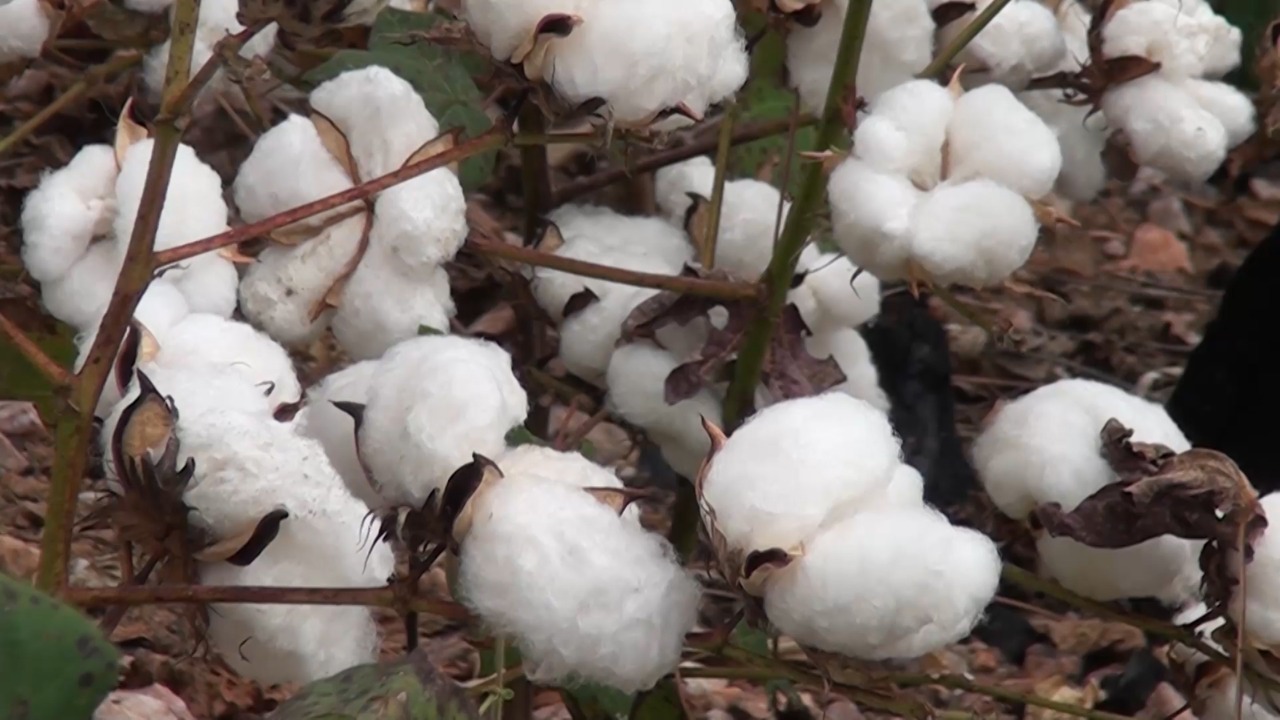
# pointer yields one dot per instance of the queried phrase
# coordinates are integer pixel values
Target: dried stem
(94, 77)
(725, 141)
(491, 139)
(47, 366)
(388, 597)
(743, 134)
(795, 232)
(962, 39)
(721, 289)
(535, 171)
(75, 423)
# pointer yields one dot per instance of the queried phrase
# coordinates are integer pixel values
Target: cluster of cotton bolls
(641, 58)
(1179, 119)
(76, 227)
(822, 479)
(621, 604)
(941, 188)
(1044, 447)
(400, 283)
(227, 381)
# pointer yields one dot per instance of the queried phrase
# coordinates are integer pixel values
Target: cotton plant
(897, 45)
(644, 60)
(25, 26)
(812, 511)
(1179, 119)
(1044, 447)
(1023, 41)
(373, 272)
(943, 188)
(78, 222)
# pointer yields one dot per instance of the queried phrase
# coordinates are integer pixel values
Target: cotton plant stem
(491, 139)
(48, 367)
(962, 39)
(813, 185)
(92, 78)
(74, 426)
(387, 597)
(535, 171)
(725, 144)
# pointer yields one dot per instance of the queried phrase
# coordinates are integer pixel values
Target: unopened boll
(433, 402)
(1022, 41)
(833, 293)
(24, 27)
(898, 44)
(892, 563)
(636, 379)
(751, 213)
(1045, 447)
(334, 429)
(585, 594)
(794, 465)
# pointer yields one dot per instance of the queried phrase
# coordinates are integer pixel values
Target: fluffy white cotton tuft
(871, 217)
(1167, 128)
(202, 340)
(1021, 42)
(24, 27)
(1187, 39)
(854, 358)
(918, 584)
(1044, 447)
(217, 19)
(570, 468)
(334, 429)
(905, 131)
(1262, 583)
(620, 604)
(975, 233)
(70, 207)
(80, 296)
(384, 303)
(992, 135)
(833, 293)
(794, 465)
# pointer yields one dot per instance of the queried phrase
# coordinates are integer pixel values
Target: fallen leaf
(1155, 249)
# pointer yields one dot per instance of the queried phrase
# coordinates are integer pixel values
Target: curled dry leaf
(242, 548)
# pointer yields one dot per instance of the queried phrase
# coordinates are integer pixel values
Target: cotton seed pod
(70, 207)
(621, 604)
(795, 464)
(1045, 447)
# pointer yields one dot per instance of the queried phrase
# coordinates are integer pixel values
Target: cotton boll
(80, 296)
(1022, 41)
(502, 25)
(1045, 447)
(976, 233)
(382, 304)
(1186, 44)
(1081, 138)
(918, 582)
(68, 209)
(871, 217)
(289, 166)
(636, 378)
(906, 489)
(586, 595)
(381, 115)
(334, 429)
(422, 222)
(26, 26)
(1167, 128)
(1262, 583)
(793, 464)
(206, 340)
(905, 130)
(283, 288)
(992, 135)
(853, 356)
(209, 282)
(1231, 107)
(838, 295)
(435, 401)
(571, 468)
(672, 183)
(587, 337)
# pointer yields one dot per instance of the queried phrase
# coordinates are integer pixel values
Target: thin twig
(535, 171)
(962, 39)
(48, 367)
(388, 597)
(491, 139)
(93, 78)
(725, 140)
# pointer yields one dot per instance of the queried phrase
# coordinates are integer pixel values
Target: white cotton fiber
(587, 338)
(1082, 140)
(993, 135)
(833, 293)
(384, 303)
(974, 233)
(796, 463)
(1167, 129)
(1021, 42)
(586, 595)
(1231, 107)
(918, 584)
(1186, 42)
(208, 282)
(24, 27)
(422, 222)
(569, 468)
(68, 209)
(1262, 581)
(905, 130)
(1044, 447)
(502, 25)
(871, 217)
(80, 296)
(850, 351)
(287, 167)
(636, 379)
(335, 429)
(434, 401)
(205, 340)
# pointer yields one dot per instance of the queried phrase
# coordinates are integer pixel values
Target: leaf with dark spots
(242, 548)
(578, 302)
(949, 12)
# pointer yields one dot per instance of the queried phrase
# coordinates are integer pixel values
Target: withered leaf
(436, 145)
(789, 370)
(242, 548)
(618, 499)
(578, 302)
(949, 12)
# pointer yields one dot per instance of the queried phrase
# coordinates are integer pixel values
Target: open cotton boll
(209, 282)
(672, 184)
(24, 27)
(422, 222)
(384, 303)
(380, 113)
(68, 209)
(1082, 139)
(853, 356)
(1021, 42)
(585, 594)
(587, 337)
(905, 130)
(871, 217)
(992, 135)
(1231, 107)
(434, 401)
(334, 429)
(636, 379)
(906, 489)
(833, 293)
(80, 296)
(918, 584)
(974, 233)
(898, 44)
(1262, 583)
(570, 468)
(205, 340)
(1045, 447)
(794, 464)
(502, 25)
(288, 166)
(1167, 128)
(1186, 42)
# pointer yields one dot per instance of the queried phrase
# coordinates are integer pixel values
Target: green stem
(804, 210)
(91, 79)
(961, 40)
(74, 427)
(725, 141)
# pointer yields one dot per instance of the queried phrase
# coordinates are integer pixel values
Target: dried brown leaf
(1122, 69)
(789, 370)
(467, 484)
(1155, 249)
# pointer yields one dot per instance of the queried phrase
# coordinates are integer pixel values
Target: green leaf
(520, 435)
(767, 97)
(660, 703)
(20, 380)
(442, 76)
(428, 330)
(407, 688)
(56, 663)
(749, 638)
(593, 701)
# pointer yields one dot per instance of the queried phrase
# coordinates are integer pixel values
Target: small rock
(154, 702)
